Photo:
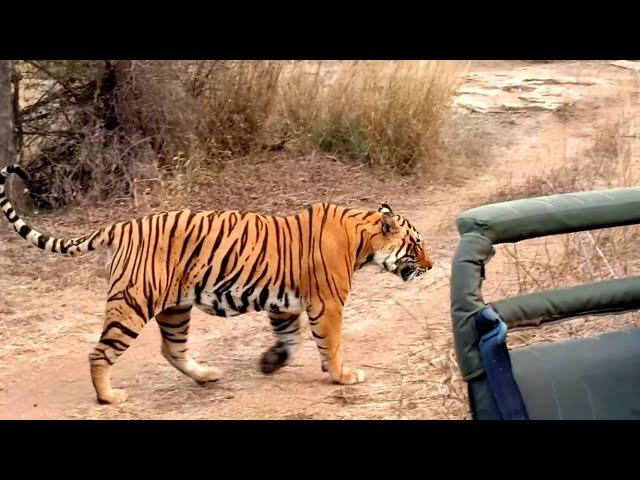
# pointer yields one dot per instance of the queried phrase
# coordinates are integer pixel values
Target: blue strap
(497, 365)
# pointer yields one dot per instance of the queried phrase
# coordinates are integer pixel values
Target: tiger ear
(388, 223)
(385, 208)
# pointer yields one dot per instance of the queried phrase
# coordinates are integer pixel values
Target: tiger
(227, 263)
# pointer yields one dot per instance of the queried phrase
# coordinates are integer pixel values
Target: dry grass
(585, 256)
(579, 258)
(385, 114)
(98, 129)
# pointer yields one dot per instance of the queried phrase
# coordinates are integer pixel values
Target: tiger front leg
(326, 328)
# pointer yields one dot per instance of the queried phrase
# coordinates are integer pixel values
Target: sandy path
(398, 333)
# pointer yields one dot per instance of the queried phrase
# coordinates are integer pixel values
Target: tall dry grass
(583, 257)
(385, 114)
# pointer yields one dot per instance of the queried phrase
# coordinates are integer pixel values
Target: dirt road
(51, 308)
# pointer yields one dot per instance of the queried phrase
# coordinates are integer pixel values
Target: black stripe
(227, 284)
(278, 263)
(232, 221)
(278, 325)
(244, 298)
(324, 263)
(311, 247)
(245, 236)
(115, 344)
(185, 245)
(150, 306)
(218, 240)
(201, 285)
(360, 245)
(112, 229)
(264, 295)
(169, 275)
(216, 244)
(230, 301)
(337, 291)
(172, 340)
(260, 277)
(224, 262)
(195, 255)
(291, 276)
(259, 259)
(103, 357)
(122, 252)
(133, 304)
(173, 325)
(301, 246)
(93, 237)
(219, 312)
(344, 212)
(17, 169)
(153, 253)
(25, 230)
(115, 296)
(177, 310)
(42, 241)
(120, 327)
(143, 248)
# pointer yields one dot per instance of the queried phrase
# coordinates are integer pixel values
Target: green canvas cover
(466, 299)
(551, 215)
(481, 228)
(610, 296)
(594, 378)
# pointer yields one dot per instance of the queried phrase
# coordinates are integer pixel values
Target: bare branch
(51, 133)
(60, 82)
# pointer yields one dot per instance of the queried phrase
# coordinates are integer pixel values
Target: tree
(6, 114)
(7, 150)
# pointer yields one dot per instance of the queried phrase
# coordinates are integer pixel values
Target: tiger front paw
(206, 375)
(351, 376)
(115, 395)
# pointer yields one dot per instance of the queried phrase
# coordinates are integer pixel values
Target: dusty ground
(51, 308)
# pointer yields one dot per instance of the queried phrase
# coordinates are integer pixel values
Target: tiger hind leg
(286, 329)
(174, 327)
(121, 327)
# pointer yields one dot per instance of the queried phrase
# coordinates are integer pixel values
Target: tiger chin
(227, 263)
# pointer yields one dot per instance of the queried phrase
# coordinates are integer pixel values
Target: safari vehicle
(590, 378)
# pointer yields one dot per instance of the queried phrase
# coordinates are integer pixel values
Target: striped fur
(228, 263)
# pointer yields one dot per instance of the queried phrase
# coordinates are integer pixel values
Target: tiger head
(400, 249)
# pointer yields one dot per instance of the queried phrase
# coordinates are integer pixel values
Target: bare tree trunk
(17, 115)
(7, 152)
(6, 114)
